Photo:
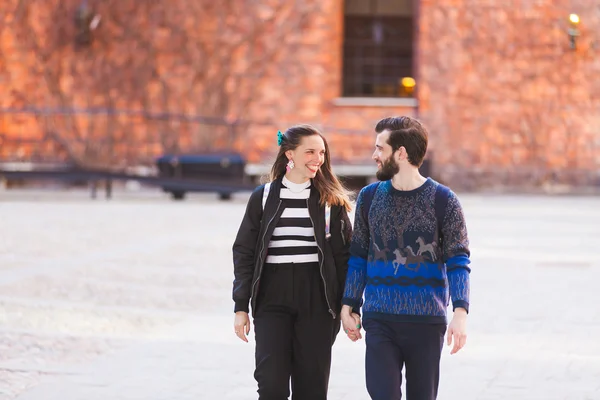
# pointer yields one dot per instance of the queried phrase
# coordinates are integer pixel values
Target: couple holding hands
(301, 267)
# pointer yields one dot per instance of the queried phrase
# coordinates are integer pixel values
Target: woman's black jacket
(252, 242)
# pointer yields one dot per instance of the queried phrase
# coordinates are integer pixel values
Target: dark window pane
(378, 52)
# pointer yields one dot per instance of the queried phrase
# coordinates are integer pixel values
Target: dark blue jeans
(392, 345)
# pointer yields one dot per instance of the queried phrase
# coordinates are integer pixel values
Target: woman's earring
(290, 165)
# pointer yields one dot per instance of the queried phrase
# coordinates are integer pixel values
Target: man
(409, 255)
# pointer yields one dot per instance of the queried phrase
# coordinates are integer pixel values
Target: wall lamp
(86, 20)
(573, 31)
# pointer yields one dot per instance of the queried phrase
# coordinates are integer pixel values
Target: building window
(378, 48)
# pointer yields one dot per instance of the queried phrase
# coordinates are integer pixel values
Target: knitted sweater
(293, 240)
(399, 260)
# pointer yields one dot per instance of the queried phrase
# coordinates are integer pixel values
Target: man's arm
(357, 264)
(456, 253)
(456, 257)
(357, 273)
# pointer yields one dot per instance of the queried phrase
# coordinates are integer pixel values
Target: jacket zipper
(262, 249)
(321, 263)
(343, 237)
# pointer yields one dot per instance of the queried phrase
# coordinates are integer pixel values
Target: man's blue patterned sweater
(398, 260)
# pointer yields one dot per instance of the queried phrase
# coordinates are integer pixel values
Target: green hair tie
(279, 138)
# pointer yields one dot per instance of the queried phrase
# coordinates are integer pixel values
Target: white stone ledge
(340, 169)
(375, 102)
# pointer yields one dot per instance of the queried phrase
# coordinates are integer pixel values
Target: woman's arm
(341, 235)
(244, 249)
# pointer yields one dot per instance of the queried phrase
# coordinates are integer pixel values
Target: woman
(290, 261)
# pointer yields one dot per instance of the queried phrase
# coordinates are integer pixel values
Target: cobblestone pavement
(130, 299)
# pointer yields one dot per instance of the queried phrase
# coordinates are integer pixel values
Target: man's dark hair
(406, 132)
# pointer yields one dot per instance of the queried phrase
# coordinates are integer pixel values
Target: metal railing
(103, 137)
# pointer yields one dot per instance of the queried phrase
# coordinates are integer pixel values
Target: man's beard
(389, 168)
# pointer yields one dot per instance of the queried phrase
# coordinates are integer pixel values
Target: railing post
(94, 188)
(108, 188)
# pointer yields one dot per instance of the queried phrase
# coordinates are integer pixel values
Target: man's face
(383, 156)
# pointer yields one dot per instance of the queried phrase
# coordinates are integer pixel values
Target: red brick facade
(505, 98)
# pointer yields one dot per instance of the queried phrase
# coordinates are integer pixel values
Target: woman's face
(308, 158)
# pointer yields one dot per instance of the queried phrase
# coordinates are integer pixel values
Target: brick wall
(184, 58)
(303, 87)
(506, 99)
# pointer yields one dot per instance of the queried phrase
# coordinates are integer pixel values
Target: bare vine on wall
(172, 59)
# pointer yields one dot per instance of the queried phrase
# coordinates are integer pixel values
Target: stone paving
(130, 299)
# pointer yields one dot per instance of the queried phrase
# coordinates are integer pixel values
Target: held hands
(241, 325)
(457, 330)
(351, 323)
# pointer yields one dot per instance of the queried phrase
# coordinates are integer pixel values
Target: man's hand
(241, 325)
(351, 323)
(457, 330)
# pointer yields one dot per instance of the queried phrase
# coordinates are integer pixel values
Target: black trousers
(294, 333)
(390, 346)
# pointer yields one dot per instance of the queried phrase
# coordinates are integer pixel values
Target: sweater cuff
(355, 304)
(460, 304)
(241, 305)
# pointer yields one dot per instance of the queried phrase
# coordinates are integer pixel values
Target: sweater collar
(295, 187)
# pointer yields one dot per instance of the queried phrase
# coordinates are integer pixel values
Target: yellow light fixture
(408, 82)
(574, 18)
(572, 31)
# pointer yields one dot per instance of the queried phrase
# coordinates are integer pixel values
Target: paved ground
(130, 299)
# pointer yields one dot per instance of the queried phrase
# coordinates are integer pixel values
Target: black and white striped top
(293, 240)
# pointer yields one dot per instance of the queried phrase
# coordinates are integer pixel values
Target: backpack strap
(442, 193)
(266, 194)
(368, 195)
(327, 221)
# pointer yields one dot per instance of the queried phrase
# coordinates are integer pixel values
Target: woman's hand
(351, 323)
(241, 325)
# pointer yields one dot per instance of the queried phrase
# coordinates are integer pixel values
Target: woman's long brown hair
(330, 188)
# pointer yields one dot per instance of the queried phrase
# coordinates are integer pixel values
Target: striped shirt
(293, 240)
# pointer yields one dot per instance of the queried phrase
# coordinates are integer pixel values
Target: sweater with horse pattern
(406, 268)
